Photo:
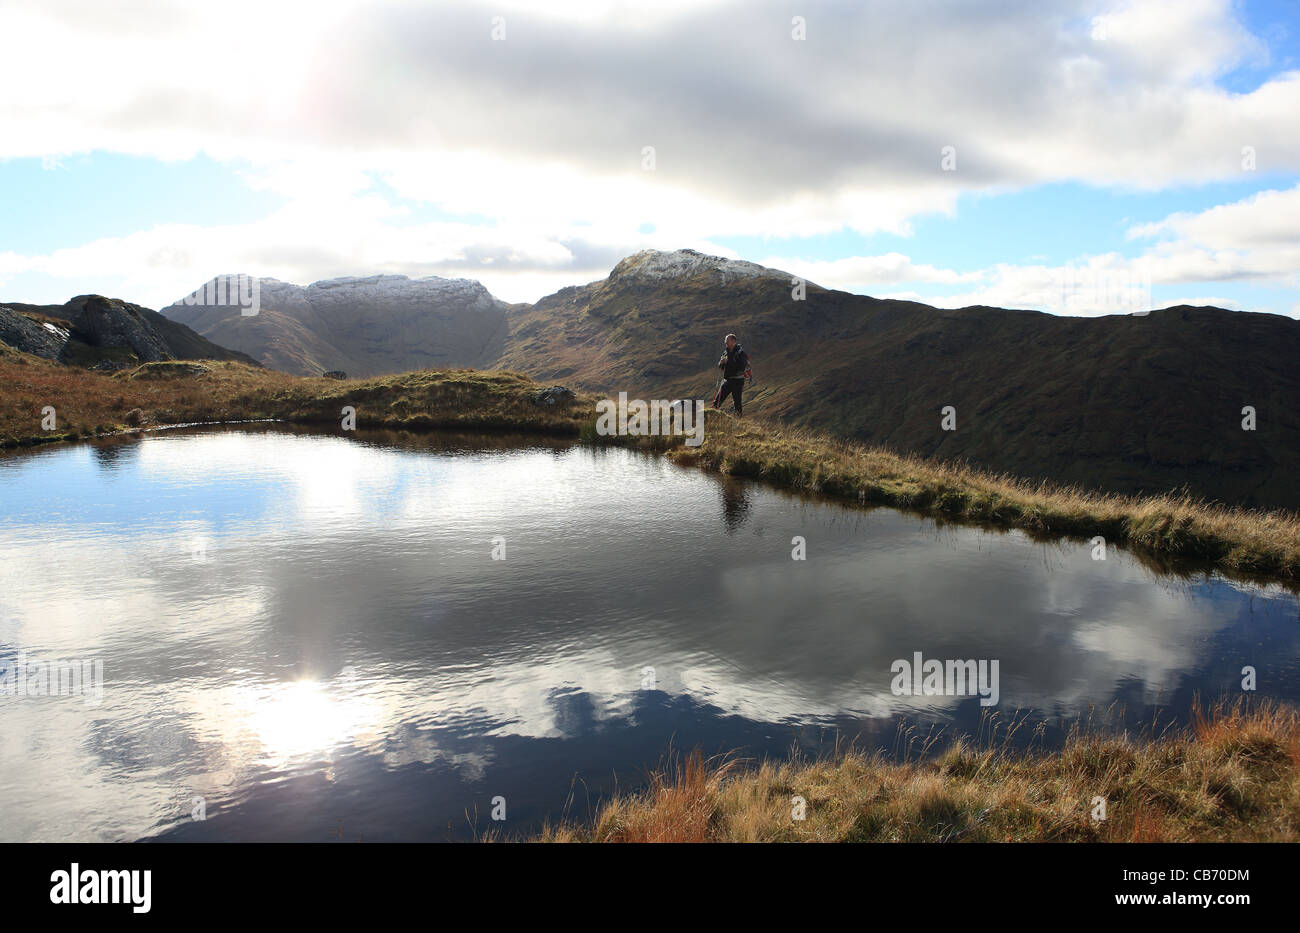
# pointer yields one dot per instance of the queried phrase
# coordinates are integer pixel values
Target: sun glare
(303, 718)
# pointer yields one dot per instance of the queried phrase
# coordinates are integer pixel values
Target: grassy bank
(87, 404)
(1163, 528)
(1233, 776)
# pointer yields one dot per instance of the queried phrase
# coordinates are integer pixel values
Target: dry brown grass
(1233, 776)
(89, 404)
(679, 802)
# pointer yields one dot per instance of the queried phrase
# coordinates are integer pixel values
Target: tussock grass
(1234, 775)
(1165, 529)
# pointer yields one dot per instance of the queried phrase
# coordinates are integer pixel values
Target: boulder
(554, 395)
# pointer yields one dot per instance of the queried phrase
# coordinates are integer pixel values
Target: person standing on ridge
(735, 370)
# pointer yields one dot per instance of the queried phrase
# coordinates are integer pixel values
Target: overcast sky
(1020, 154)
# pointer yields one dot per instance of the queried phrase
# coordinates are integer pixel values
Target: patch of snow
(361, 290)
(56, 330)
(655, 264)
(395, 288)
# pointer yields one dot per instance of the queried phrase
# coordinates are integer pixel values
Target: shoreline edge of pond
(1167, 531)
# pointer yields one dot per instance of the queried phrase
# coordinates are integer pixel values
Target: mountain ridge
(363, 325)
(1130, 403)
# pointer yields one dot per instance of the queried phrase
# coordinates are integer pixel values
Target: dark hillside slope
(1127, 403)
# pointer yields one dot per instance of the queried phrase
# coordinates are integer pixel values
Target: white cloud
(1187, 40)
(1257, 237)
(542, 134)
(1256, 240)
(859, 272)
(1092, 286)
(739, 112)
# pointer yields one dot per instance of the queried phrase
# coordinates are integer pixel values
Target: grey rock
(22, 333)
(554, 395)
(108, 322)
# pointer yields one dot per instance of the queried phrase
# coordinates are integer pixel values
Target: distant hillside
(1123, 403)
(105, 333)
(1126, 403)
(367, 326)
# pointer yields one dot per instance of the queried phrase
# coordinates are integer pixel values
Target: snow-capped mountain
(362, 325)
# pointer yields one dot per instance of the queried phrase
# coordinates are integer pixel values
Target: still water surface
(310, 632)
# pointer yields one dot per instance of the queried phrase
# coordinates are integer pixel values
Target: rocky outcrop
(107, 334)
(41, 339)
(108, 322)
(554, 395)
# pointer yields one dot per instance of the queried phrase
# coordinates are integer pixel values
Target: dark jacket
(734, 363)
